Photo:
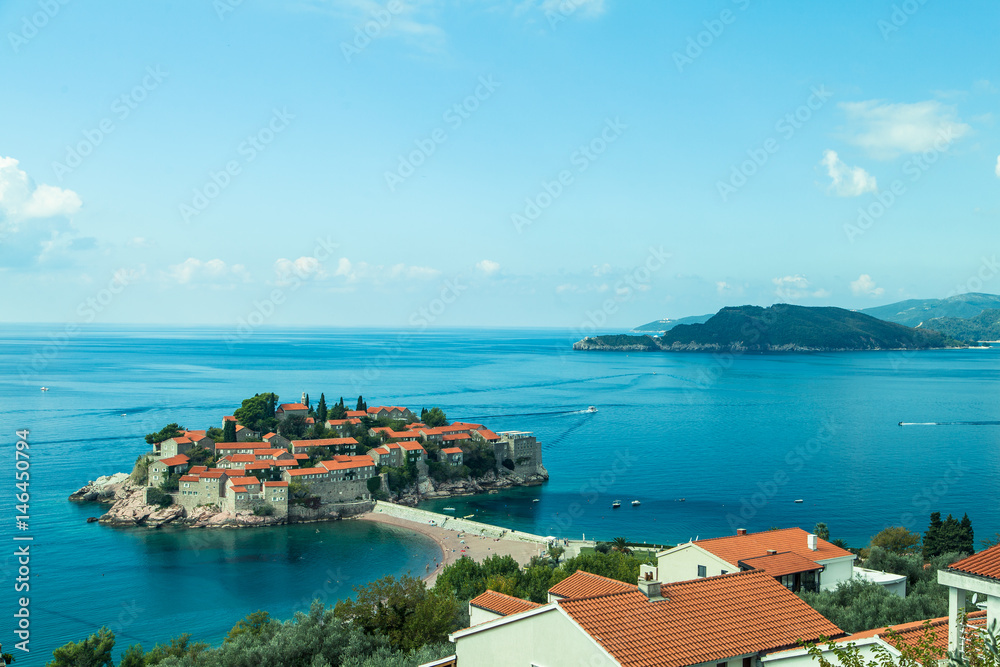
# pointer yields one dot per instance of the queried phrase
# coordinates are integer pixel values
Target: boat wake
(949, 423)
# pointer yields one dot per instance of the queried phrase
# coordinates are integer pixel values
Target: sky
(496, 163)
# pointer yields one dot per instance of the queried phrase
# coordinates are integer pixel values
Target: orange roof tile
(229, 418)
(912, 633)
(452, 450)
(582, 584)
(275, 483)
(351, 463)
(778, 565)
(307, 471)
(412, 446)
(241, 445)
(703, 620)
(324, 442)
(180, 459)
(301, 456)
(269, 435)
(197, 469)
(355, 413)
(239, 489)
(487, 434)
(241, 458)
(468, 425)
(454, 437)
(213, 474)
(190, 478)
(292, 406)
(245, 481)
(287, 463)
(986, 563)
(259, 465)
(499, 603)
(735, 548)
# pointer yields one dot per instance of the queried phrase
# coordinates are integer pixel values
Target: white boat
(635, 503)
(616, 504)
(799, 500)
(449, 509)
(535, 500)
(45, 388)
(591, 408)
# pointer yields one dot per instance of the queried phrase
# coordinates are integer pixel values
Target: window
(747, 662)
(703, 572)
(725, 572)
(720, 664)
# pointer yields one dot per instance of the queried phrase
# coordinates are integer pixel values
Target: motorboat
(449, 509)
(799, 500)
(591, 408)
(635, 503)
(45, 388)
(616, 504)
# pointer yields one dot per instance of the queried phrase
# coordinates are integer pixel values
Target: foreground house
(797, 559)
(726, 621)
(979, 573)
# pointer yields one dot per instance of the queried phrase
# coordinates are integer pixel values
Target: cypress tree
(932, 537)
(307, 400)
(229, 431)
(321, 408)
(968, 543)
(361, 403)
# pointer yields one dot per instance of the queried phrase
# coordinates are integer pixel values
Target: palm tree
(621, 544)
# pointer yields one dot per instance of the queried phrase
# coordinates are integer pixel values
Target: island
(274, 463)
(779, 328)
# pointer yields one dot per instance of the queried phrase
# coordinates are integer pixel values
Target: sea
(706, 443)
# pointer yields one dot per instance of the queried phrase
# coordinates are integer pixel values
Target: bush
(263, 510)
(171, 483)
(603, 548)
(156, 496)
(140, 473)
(374, 484)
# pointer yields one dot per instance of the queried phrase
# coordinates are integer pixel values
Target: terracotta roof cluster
(735, 548)
(180, 459)
(348, 462)
(455, 437)
(219, 446)
(502, 604)
(308, 471)
(487, 435)
(703, 620)
(355, 413)
(986, 563)
(323, 442)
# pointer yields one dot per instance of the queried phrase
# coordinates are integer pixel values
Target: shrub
(156, 496)
(140, 473)
(263, 510)
(602, 548)
(374, 484)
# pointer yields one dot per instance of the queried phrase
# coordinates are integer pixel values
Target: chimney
(649, 583)
(811, 542)
(741, 531)
(772, 552)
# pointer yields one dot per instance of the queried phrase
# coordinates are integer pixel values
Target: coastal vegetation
(984, 326)
(913, 312)
(781, 327)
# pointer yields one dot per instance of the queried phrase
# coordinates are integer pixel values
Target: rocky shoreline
(129, 507)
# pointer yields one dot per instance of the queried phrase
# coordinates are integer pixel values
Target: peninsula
(274, 463)
(780, 328)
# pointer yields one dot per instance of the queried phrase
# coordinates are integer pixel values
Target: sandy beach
(452, 547)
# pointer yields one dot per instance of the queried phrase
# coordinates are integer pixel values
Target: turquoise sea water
(740, 439)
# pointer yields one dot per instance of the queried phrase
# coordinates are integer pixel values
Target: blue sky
(495, 163)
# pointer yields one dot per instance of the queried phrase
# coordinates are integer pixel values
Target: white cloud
(413, 20)
(213, 272)
(865, 286)
(377, 274)
(488, 266)
(21, 199)
(996, 169)
(847, 181)
(601, 270)
(289, 271)
(586, 8)
(794, 288)
(888, 130)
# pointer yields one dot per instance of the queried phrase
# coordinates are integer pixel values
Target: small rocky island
(312, 463)
(780, 328)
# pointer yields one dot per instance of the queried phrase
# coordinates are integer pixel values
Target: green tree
(214, 433)
(157, 496)
(165, 433)
(293, 427)
(94, 651)
(257, 412)
(361, 404)
(434, 417)
(374, 484)
(253, 624)
(897, 539)
(403, 611)
(229, 431)
(321, 408)
(620, 544)
(134, 656)
(968, 536)
(933, 536)
(179, 647)
(821, 531)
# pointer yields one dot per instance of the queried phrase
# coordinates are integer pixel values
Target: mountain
(659, 326)
(914, 311)
(780, 328)
(984, 326)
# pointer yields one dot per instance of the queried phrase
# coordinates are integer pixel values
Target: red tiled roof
(301, 456)
(241, 458)
(275, 483)
(487, 434)
(778, 565)
(239, 489)
(355, 413)
(412, 446)
(174, 460)
(190, 478)
(291, 406)
(351, 462)
(735, 548)
(197, 469)
(454, 437)
(213, 474)
(245, 481)
(380, 450)
(582, 584)
(259, 465)
(269, 435)
(499, 603)
(452, 450)
(703, 620)
(286, 463)
(195, 435)
(307, 471)
(324, 442)
(229, 418)
(912, 633)
(986, 563)
(468, 425)
(241, 445)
